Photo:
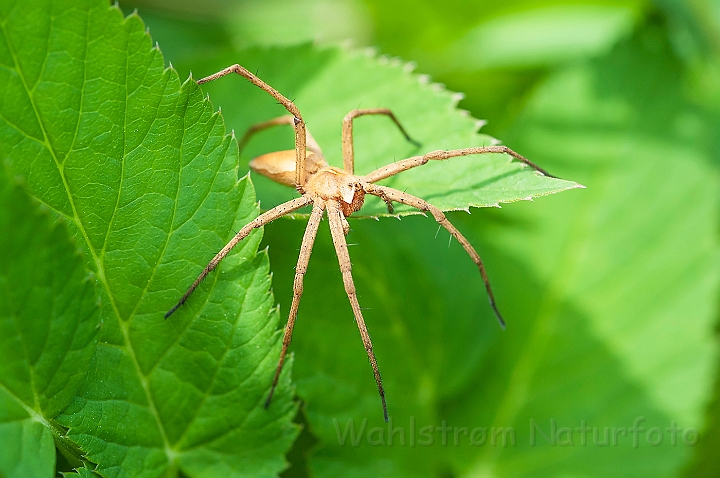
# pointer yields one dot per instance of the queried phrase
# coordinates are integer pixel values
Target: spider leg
(416, 202)
(347, 134)
(259, 221)
(312, 145)
(409, 163)
(298, 123)
(338, 236)
(302, 264)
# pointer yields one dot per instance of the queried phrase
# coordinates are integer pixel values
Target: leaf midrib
(98, 263)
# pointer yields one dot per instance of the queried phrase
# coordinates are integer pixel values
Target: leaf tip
(479, 124)
(370, 52)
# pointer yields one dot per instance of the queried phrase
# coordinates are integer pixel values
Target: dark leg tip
(499, 317)
(269, 399)
(175, 307)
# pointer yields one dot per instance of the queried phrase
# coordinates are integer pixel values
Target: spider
(340, 193)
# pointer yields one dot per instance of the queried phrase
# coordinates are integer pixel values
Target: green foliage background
(610, 292)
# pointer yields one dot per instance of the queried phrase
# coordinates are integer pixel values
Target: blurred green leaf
(49, 321)
(704, 463)
(289, 22)
(542, 36)
(442, 37)
(634, 262)
(142, 171)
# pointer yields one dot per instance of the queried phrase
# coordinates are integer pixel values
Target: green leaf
(141, 169)
(81, 473)
(326, 85)
(49, 322)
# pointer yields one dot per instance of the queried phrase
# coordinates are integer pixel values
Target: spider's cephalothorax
(334, 184)
(339, 193)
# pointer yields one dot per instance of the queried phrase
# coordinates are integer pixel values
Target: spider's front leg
(298, 123)
(348, 147)
(335, 218)
(415, 161)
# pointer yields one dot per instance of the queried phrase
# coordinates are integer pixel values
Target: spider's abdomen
(280, 165)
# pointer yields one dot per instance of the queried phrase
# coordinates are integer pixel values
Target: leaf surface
(143, 172)
(49, 322)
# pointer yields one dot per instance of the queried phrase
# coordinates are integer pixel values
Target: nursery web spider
(341, 193)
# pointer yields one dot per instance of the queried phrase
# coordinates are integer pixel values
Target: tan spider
(341, 193)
